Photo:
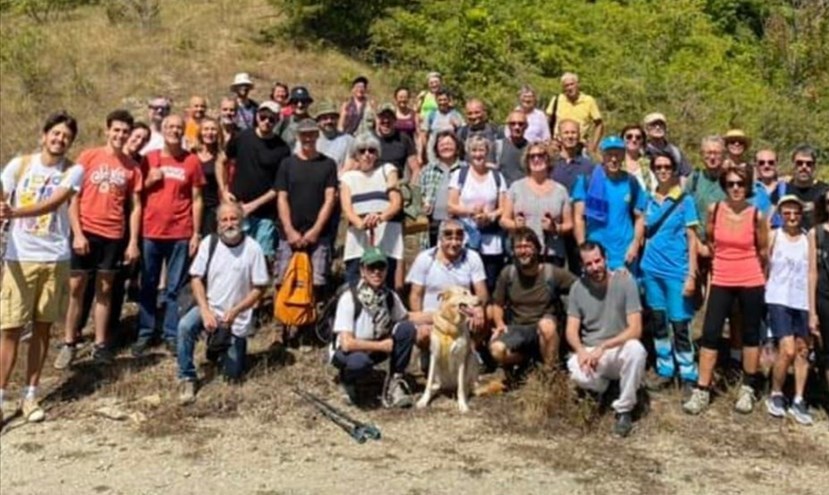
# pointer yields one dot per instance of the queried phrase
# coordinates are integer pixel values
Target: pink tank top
(736, 263)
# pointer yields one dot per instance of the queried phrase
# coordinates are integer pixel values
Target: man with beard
(331, 142)
(604, 325)
(525, 306)
(227, 119)
(229, 275)
(804, 185)
(395, 147)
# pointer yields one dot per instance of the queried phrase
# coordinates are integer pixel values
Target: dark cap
(300, 93)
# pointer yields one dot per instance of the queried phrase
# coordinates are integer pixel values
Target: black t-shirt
(210, 191)
(305, 181)
(396, 148)
(811, 196)
(257, 161)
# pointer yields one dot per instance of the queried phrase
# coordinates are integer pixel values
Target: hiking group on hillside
(590, 252)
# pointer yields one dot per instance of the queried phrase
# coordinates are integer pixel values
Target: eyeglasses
(735, 141)
(791, 214)
(660, 168)
(657, 124)
(268, 118)
(761, 163)
(633, 137)
(517, 124)
(363, 151)
(159, 108)
(453, 233)
(376, 267)
(731, 184)
(804, 163)
(537, 156)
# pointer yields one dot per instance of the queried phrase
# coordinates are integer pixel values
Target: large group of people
(590, 252)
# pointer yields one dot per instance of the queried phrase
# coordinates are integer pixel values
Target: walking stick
(358, 430)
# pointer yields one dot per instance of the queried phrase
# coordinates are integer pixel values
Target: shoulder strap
(653, 229)
(25, 162)
(497, 177)
(358, 306)
(214, 242)
(499, 150)
(694, 181)
(464, 172)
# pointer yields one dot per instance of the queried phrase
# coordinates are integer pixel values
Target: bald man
(478, 124)
(195, 114)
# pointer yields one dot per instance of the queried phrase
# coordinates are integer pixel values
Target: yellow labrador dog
(452, 364)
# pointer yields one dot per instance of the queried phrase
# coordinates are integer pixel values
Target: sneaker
(66, 356)
(776, 405)
(624, 424)
(800, 413)
(139, 349)
(32, 411)
(698, 401)
(745, 400)
(658, 383)
(398, 395)
(102, 355)
(188, 392)
(687, 389)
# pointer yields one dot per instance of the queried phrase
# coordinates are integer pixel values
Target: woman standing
(434, 182)
(209, 150)
(370, 201)
(738, 238)
(540, 203)
(427, 99)
(357, 115)
(476, 196)
(407, 121)
(636, 163)
(669, 268)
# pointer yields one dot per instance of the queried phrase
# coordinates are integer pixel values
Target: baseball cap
(387, 108)
(300, 93)
(307, 125)
(655, 117)
(373, 255)
(611, 143)
(789, 198)
(269, 105)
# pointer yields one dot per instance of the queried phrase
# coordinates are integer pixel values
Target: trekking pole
(358, 430)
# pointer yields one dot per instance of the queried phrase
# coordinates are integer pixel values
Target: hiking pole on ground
(358, 430)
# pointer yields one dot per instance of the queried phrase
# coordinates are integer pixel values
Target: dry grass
(88, 66)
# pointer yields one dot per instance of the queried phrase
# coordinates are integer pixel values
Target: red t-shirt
(168, 204)
(109, 181)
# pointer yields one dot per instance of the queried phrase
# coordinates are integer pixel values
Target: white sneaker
(698, 401)
(745, 400)
(188, 393)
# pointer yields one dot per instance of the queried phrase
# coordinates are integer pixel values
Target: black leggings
(720, 303)
(823, 319)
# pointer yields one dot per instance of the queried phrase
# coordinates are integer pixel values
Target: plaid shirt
(431, 178)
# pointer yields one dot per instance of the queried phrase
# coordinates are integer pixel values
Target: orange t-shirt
(191, 133)
(168, 204)
(108, 183)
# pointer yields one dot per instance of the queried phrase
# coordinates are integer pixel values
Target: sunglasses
(731, 184)
(656, 124)
(453, 233)
(660, 168)
(791, 214)
(804, 163)
(363, 151)
(268, 118)
(735, 141)
(537, 156)
(517, 124)
(633, 137)
(157, 108)
(766, 162)
(376, 267)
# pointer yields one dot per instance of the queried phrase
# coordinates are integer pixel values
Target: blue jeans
(263, 230)
(155, 253)
(354, 365)
(189, 329)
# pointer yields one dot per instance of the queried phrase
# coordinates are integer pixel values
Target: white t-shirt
(156, 143)
(44, 238)
(369, 195)
(486, 194)
(436, 276)
(234, 272)
(363, 328)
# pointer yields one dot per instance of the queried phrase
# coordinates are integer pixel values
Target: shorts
(788, 322)
(33, 291)
(105, 255)
(522, 339)
(663, 294)
(263, 231)
(320, 261)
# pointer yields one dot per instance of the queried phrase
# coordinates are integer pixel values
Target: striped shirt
(369, 194)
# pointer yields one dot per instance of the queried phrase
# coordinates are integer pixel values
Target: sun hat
(737, 135)
(326, 108)
(241, 79)
(655, 117)
(789, 198)
(307, 125)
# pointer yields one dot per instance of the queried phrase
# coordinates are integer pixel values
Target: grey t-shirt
(509, 161)
(336, 148)
(603, 312)
(534, 207)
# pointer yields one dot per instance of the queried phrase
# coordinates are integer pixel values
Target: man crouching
(604, 325)
(228, 274)
(371, 325)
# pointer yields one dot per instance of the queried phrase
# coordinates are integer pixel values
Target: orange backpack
(294, 303)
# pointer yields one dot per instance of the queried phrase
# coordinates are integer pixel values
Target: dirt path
(259, 438)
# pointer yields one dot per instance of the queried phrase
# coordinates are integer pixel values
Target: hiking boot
(398, 395)
(32, 412)
(188, 392)
(624, 424)
(800, 413)
(658, 383)
(745, 400)
(66, 356)
(698, 401)
(140, 348)
(102, 355)
(687, 390)
(776, 405)
(351, 395)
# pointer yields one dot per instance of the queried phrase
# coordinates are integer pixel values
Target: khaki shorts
(32, 291)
